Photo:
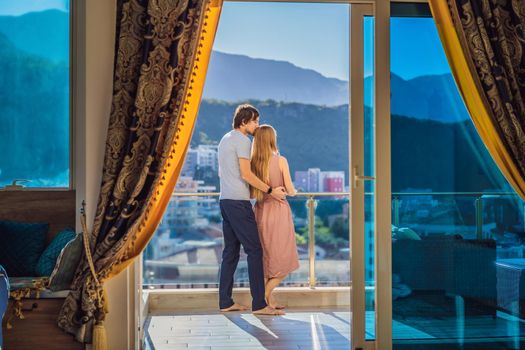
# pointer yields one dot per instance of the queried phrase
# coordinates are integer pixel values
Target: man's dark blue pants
(239, 228)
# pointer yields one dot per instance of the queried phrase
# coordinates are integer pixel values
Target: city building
(315, 180)
(190, 163)
(202, 156)
(333, 181)
(207, 156)
(301, 181)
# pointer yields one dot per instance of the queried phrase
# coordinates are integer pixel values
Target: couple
(255, 172)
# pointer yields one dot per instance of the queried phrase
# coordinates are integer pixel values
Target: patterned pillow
(49, 257)
(66, 265)
(21, 245)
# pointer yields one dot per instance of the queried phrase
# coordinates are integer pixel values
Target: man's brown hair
(244, 114)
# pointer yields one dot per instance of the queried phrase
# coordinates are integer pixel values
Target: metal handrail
(298, 194)
(474, 194)
(311, 205)
(336, 194)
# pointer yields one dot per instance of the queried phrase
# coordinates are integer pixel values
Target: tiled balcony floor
(298, 329)
(322, 328)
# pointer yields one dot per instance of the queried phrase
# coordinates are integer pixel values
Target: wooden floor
(298, 329)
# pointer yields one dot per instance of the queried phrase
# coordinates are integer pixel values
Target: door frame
(380, 9)
(382, 182)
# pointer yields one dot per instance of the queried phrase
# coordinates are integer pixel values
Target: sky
(309, 35)
(19, 7)
(316, 36)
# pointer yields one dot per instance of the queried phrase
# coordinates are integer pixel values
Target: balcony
(451, 258)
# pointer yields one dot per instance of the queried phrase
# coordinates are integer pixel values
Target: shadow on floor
(298, 331)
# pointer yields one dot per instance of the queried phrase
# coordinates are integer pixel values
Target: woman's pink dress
(276, 229)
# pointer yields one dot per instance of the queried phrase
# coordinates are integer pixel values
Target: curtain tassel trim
(100, 340)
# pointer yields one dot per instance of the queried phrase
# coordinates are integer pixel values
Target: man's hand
(278, 193)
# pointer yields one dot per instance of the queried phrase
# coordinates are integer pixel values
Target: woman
(273, 216)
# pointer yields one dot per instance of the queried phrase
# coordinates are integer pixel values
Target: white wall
(94, 55)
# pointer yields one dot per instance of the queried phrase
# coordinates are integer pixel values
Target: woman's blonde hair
(263, 147)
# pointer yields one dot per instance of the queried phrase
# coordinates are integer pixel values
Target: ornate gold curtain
(161, 56)
(485, 45)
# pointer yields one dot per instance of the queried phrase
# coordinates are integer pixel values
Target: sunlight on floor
(295, 330)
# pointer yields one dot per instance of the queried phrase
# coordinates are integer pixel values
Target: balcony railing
(480, 217)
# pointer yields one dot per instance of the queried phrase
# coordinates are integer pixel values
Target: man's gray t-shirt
(234, 145)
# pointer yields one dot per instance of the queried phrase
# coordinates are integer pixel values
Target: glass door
(369, 177)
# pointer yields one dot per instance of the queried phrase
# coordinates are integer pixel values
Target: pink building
(333, 181)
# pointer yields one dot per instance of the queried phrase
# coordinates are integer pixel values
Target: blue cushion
(4, 295)
(21, 245)
(49, 257)
(66, 265)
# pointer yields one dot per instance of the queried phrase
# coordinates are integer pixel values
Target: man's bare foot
(235, 307)
(268, 310)
(277, 306)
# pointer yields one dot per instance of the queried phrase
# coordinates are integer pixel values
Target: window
(299, 83)
(35, 94)
(457, 233)
(439, 163)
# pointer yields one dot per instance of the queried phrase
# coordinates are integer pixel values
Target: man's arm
(248, 176)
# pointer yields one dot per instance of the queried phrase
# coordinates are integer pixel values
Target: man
(239, 226)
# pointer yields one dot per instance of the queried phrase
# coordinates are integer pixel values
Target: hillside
(312, 136)
(34, 111)
(45, 34)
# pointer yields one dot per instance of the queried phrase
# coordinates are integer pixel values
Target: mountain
(309, 135)
(44, 34)
(434, 144)
(312, 136)
(432, 97)
(34, 112)
(235, 78)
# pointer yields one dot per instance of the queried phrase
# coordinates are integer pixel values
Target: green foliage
(215, 219)
(308, 135)
(34, 114)
(298, 207)
(425, 153)
(300, 239)
(327, 207)
(203, 139)
(340, 229)
(324, 236)
(44, 33)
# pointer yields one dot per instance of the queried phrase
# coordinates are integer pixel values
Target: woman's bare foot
(268, 310)
(235, 307)
(271, 301)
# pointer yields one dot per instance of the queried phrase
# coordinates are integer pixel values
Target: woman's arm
(288, 184)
